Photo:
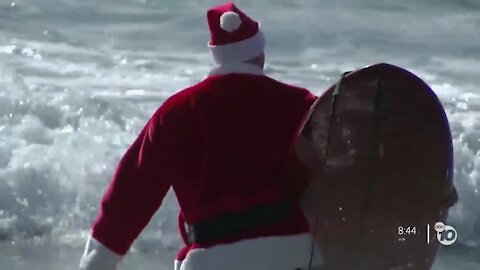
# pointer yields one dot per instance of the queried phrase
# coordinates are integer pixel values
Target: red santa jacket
(221, 144)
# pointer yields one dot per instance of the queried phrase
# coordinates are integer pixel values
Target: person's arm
(139, 185)
(304, 159)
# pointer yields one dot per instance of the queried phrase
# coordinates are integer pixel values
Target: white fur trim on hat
(239, 68)
(277, 252)
(230, 21)
(239, 51)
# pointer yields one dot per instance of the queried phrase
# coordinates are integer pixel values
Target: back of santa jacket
(223, 146)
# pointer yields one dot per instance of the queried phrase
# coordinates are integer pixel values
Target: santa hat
(234, 37)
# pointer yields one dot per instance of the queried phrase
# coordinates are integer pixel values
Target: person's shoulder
(180, 100)
(292, 89)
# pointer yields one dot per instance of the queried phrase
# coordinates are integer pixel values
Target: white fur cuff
(98, 257)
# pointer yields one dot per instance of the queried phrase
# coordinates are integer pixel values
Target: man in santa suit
(222, 145)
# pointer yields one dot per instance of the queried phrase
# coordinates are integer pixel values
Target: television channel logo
(446, 234)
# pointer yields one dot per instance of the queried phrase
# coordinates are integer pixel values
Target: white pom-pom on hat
(230, 21)
(234, 36)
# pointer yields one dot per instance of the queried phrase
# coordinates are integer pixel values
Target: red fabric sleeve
(139, 185)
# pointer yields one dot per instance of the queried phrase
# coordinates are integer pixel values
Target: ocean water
(78, 79)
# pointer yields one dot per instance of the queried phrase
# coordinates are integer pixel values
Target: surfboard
(377, 151)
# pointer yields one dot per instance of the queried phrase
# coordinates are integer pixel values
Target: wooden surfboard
(378, 153)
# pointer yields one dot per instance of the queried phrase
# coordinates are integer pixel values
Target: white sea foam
(78, 80)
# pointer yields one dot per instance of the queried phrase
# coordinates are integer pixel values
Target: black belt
(231, 224)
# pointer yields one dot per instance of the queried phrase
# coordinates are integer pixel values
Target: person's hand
(98, 257)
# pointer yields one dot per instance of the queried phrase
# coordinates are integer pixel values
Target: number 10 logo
(446, 234)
